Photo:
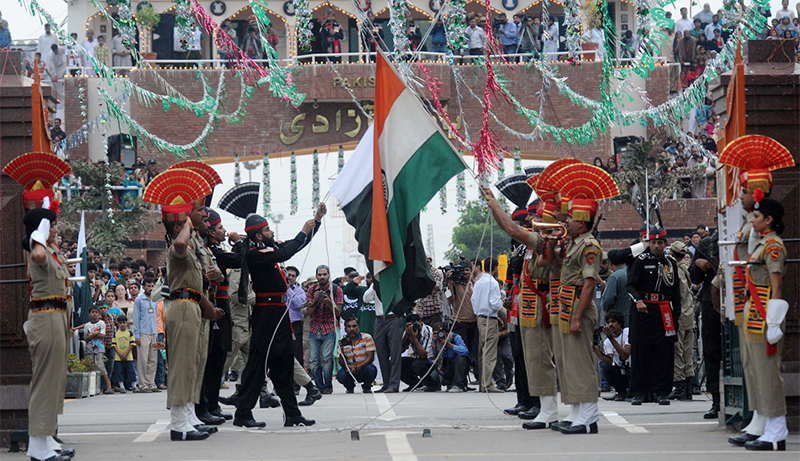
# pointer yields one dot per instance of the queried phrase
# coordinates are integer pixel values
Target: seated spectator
(616, 354)
(453, 366)
(124, 369)
(358, 353)
(417, 355)
(773, 34)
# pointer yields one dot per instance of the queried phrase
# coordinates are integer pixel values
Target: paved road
(465, 426)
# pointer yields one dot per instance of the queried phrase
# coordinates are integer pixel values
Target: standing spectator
(530, 38)
(615, 357)
(324, 304)
(124, 343)
(698, 29)
(272, 36)
(372, 35)
(388, 342)
(417, 355)
(365, 312)
(466, 322)
(596, 35)
(111, 330)
(509, 33)
(438, 37)
(39, 64)
(295, 299)
(486, 302)
(101, 52)
(702, 271)
(615, 296)
(122, 300)
(94, 334)
(715, 25)
(121, 55)
(88, 46)
(46, 41)
(785, 12)
(785, 25)
(56, 131)
(414, 36)
(5, 35)
(152, 172)
(332, 35)
(684, 24)
(476, 38)
(161, 368)
(503, 372)
(145, 329)
(358, 353)
(252, 44)
(685, 47)
(429, 308)
(228, 49)
(551, 39)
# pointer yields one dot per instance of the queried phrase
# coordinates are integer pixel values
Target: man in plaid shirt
(429, 308)
(324, 305)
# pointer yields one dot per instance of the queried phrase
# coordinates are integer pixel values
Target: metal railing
(69, 191)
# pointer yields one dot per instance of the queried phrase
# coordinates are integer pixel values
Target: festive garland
(303, 17)
(572, 24)
(443, 199)
(454, 17)
(340, 160)
(266, 190)
(461, 191)
(184, 22)
(517, 161)
(315, 180)
(398, 11)
(293, 180)
(237, 170)
(127, 23)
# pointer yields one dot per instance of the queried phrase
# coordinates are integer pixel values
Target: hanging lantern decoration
(237, 170)
(265, 189)
(293, 179)
(315, 180)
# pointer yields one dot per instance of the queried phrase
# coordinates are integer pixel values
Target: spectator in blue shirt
(452, 367)
(714, 25)
(438, 37)
(145, 330)
(509, 34)
(5, 35)
(615, 295)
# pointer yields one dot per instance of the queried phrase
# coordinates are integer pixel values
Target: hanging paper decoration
(314, 180)
(303, 17)
(237, 170)
(107, 185)
(265, 186)
(461, 191)
(455, 24)
(572, 24)
(398, 24)
(340, 160)
(293, 179)
(184, 22)
(501, 174)
(127, 24)
(517, 161)
(443, 199)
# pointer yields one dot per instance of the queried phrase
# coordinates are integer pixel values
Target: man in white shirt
(616, 354)
(56, 62)
(121, 55)
(46, 40)
(684, 23)
(88, 45)
(476, 38)
(486, 303)
(596, 35)
(785, 11)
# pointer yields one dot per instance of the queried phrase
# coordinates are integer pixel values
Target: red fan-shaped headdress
(756, 156)
(585, 185)
(178, 191)
(37, 172)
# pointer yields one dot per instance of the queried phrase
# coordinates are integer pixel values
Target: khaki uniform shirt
(49, 279)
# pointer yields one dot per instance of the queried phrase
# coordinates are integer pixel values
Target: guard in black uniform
(220, 339)
(271, 340)
(654, 285)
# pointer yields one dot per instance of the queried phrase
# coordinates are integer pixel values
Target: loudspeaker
(122, 148)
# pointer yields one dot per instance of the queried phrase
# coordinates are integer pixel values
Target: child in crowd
(94, 334)
(124, 342)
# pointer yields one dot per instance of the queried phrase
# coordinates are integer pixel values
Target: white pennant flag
(81, 247)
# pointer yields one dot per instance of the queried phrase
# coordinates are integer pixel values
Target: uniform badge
(266, 250)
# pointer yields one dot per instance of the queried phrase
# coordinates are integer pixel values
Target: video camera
(597, 338)
(458, 272)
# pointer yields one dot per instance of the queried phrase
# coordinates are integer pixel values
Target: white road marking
(617, 420)
(384, 406)
(399, 448)
(153, 431)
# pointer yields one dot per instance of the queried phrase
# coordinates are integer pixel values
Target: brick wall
(272, 126)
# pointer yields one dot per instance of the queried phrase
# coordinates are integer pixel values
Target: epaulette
(266, 250)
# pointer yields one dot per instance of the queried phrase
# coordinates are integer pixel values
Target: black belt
(185, 295)
(655, 297)
(48, 304)
(270, 299)
(487, 317)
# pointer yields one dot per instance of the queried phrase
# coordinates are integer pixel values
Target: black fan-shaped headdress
(241, 200)
(515, 189)
(532, 170)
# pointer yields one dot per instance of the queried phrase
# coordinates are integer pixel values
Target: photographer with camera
(418, 355)
(324, 306)
(358, 353)
(451, 370)
(615, 355)
(459, 295)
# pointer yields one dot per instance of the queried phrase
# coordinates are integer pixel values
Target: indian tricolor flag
(401, 162)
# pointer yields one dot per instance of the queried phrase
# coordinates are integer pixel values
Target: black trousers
(469, 333)
(413, 369)
(454, 371)
(520, 375)
(616, 378)
(263, 322)
(297, 341)
(712, 347)
(212, 376)
(652, 364)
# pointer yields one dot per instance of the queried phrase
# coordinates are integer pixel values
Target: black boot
(268, 399)
(312, 395)
(298, 421)
(233, 399)
(687, 387)
(679, 392)
(713, 413)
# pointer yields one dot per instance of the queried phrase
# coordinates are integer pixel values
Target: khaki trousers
(48, 336)
(488, 335)
(202, 356)
(684, 362)
(300, 375)
(183, 325)
(237, 357)
(762, 374)
(579, 373)
(146, 361)
(537, 344)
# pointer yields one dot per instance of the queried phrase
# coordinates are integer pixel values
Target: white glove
(776, 312)
(41, 234)
(638, 249)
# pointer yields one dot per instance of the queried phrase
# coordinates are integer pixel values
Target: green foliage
(467, 235)
(148, 17)
(80, 366)
(108, 235)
